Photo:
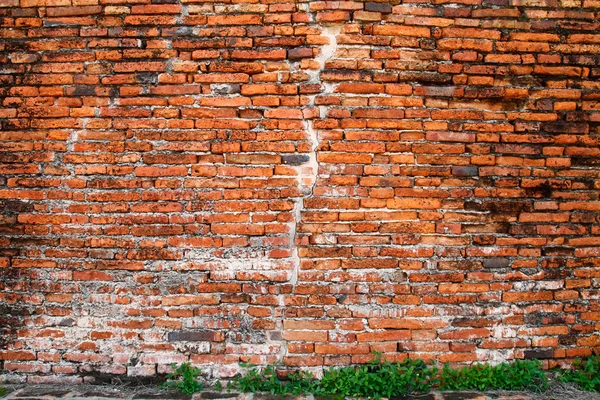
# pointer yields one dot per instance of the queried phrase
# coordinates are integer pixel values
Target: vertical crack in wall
(308, 172)
(327, 52)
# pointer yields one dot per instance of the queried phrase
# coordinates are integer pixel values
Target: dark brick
(191, 336)
(556, 273)
(557, 251)
(496, 206)
(538, 354)
(294, 159)
(426, 77)
(484, 240)
(566, 127)
(567, 340)
(496, 263)
(585, 162)
(534, 318)
(384, 8)
(18, 206)
(465, 171)
(84, 91)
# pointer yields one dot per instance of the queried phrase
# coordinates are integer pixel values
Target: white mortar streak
(327, 52)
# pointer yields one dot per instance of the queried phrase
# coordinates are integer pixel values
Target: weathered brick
(496, 263)
(295, 159)
(248, 176)
(191, 336)
(385, 7)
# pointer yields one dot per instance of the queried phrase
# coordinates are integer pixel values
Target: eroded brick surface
(305, 182)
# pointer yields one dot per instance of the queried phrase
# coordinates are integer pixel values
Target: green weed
(519, 375)
(257, 379)
(378, 379)
(3, 391)
(184, 379)
(585, 374)
(383, 379)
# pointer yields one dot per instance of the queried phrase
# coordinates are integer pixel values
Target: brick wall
(305, 182)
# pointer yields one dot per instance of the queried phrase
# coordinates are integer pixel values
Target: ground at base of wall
(115, 392)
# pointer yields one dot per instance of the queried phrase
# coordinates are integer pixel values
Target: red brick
(395, 30)
(188, 300)
(342, 348)
(384, 336)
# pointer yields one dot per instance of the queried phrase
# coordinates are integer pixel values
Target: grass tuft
(384, 379)
(585, 374)
(519, 375)
(184, 379)
(375, 380)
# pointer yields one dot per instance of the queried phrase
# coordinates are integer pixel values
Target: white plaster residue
(72, 138)
(327, 51)
(495, 357)
(308, 172)
(503, 332)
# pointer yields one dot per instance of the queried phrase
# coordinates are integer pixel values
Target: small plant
(378, 379)
(520, 375)
(3, 391)
(184, 379)
(384, 379)
(265, 379)
(585, 374)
